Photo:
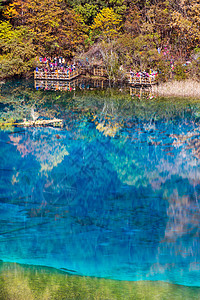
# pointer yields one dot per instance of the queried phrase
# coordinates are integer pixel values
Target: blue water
(114, 193)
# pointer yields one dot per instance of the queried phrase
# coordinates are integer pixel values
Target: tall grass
(186, 88)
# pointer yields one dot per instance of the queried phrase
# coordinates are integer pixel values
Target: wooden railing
(57, 75)
(67, 75)
(99, 71)
(142, 80)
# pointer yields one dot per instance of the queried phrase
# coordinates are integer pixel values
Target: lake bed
(113, 192)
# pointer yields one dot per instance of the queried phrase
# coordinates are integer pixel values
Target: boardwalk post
(140, 79)
(130, 78)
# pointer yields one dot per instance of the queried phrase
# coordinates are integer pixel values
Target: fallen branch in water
(32, 123)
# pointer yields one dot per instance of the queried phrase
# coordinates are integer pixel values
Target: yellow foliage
(107, 24)
(11, 10)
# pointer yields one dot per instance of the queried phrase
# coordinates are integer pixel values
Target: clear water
(113, 193)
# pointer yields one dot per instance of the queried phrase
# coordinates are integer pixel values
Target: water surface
(113, 192)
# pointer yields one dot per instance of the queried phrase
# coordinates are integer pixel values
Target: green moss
(19, 282)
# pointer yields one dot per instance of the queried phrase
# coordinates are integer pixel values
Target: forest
(120, 34)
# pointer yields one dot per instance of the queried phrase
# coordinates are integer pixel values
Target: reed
(186, 88)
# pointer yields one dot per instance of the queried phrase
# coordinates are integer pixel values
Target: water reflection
(113, 193)
(89, 84)
(47, 150)
(78, 83)
(142, 92)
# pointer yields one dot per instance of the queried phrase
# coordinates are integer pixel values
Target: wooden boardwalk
(139, 80)
(67, 75)
(99, 71)
(57, 75)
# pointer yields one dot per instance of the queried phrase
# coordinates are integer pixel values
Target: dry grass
(186, 88)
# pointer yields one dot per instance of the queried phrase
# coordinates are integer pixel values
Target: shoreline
(19, 282)
(185, 88)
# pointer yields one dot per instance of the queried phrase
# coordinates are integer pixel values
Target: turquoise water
(114, 192)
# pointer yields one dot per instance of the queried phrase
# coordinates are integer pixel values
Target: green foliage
(180, 71)
(87, 11)
(139, 52)
(164, 70)
(17, 50)
(119, 6)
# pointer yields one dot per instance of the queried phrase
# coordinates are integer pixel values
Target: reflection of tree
(180, 244)
(183, 216)
(108, 121)
(20, 98)
(128, 162)
(191, 139)
(48, 149)
(110, 205)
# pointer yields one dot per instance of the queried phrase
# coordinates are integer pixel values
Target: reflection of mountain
(105, 210)
(123, 205)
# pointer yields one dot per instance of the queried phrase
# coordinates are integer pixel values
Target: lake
(112, 192)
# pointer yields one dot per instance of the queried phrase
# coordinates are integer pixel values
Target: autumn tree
(128, 32)
(107, 25)
(55, 30)
(186, 25)
(90, 8)
(133, 22)
(17, 51)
